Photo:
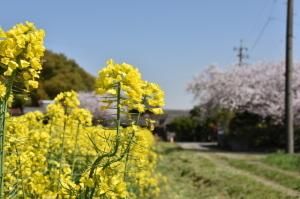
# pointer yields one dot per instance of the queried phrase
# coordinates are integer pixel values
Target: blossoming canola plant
(60, 154)
(20, 51)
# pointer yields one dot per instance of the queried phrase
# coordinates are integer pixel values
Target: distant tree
(196, 112)
(185, 128)
(61, 74)
(248, 102)
(93, 102)
(257, 89)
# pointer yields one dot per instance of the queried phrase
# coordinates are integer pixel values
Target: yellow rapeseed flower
(21, 49)
(2, 90)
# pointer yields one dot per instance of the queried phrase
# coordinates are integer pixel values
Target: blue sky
(170, 41)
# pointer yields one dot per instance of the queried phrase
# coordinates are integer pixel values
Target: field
(206, 174)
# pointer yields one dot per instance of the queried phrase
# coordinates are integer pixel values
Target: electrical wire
(264, 27)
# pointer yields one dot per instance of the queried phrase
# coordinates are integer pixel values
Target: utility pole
(242, 53)
(289, 120)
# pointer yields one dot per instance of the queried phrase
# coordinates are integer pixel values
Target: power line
(258, 17)
(261, 33)
(242, 51)
(264, 27)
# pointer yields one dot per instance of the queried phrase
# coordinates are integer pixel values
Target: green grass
(283, 161)
(273, 175)
(191, 176)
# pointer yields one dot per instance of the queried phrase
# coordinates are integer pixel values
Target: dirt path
(216, 158)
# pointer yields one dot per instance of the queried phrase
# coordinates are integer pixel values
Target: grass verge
(272, 175)
(283, 161)
(191, 176)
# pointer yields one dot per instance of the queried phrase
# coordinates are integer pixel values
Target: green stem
(127, 157)
(19, 165)
(2, 133)
(50, 129)
(138, 118)
(108, 163)
(75, 149)
(62, 150)
(3, 110)
(50, 141)
(88, 192)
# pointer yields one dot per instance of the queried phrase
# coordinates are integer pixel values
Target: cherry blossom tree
(257, 88)
(93, 102)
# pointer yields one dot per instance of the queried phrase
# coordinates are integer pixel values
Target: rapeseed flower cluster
(33, 152)
(21, 49)
(67, 99)
(60, 153)
(129, 79)
(136, 93)
(153, 97)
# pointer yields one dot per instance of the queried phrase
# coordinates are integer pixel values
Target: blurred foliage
(247, 130)
(184, 127)
(60, 74)
(20, 100)
(253, 131)
(199, 125)
(233, 129)
(241, 130)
